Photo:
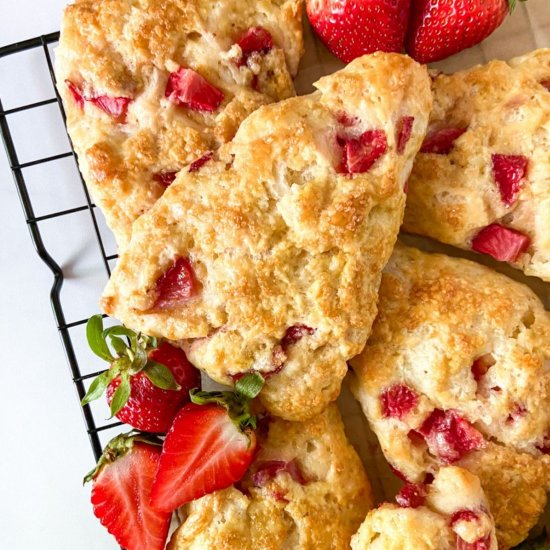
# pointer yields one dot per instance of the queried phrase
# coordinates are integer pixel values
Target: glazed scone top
(504, 111)
(452, 512)
(457, 371)
(305, 489)
(126, 50)
(280, 240)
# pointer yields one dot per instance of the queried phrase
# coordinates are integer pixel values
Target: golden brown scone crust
(506, 110)
(437, 315)
(428, 527)
(283, 514)
(278, 238)
(128, 48)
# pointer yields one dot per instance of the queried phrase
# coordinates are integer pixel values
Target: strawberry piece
(254, 40)
(483, 543)
(295, 333)
(121, 491)
(76, 93)
(440, 142)
(204, 451)
(351, 28)
(411, 495)
(188, 88)
(449, 436)
(404, 132)
(200, 162)
(546, 84)
(150, 408)
(165, 178)
(481, 365)
(269, 469)
(398, 400)
(360, 154)
(502, 243)
(440, 28)
(116, 107)
(508, 171)
(346, 120)
(177, 286)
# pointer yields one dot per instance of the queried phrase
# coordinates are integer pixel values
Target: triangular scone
(449, 513)
(482, 178)
(149, 86)
(456, 371)
(269, 257)
(305, 489)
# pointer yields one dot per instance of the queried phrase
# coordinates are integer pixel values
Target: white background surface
(43, 445)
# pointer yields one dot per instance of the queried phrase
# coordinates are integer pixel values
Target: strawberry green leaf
(98, 386)
(118, 344)
(161, 376)
(250, 385)
(121, 395)
(96, 340)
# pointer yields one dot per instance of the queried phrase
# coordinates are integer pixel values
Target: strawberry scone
(150, 86)
(449, 513)
(457, 371)
(482, 178)
(306, 488)
(268, 257)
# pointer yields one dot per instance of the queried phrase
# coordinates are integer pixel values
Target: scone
(305, 490)
(482, 178)
(449, 513)
(457, 371)
(268, 258)
(151, 86)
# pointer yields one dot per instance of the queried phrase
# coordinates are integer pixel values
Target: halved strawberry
(502, 243)
(404, 132)
(508, 171)
(398, 400)
(188, 88)
(200, 162)
(440, 142)
(147, 383)
(176, 286)
(209, 446)
(254, 40)
(165, 178)
(121, 492)
(360, 154)
(411, 495)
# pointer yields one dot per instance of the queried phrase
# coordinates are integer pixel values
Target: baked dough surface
(321, 514)
(505, 109)
(278, 237)
(430, 526)
(128, 49)
(437, 316)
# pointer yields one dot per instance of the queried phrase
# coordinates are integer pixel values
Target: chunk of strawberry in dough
(188, 88)
(502, 243)
(271, 468)
(165, 178)
(404, 132)
(441, 141)
(411, 495)
(177, 285)
(116, 107)
(398, 401)
(508, 172)
(255, 40)
(360, 154)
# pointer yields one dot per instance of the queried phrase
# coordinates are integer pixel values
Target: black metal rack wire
(34, 224)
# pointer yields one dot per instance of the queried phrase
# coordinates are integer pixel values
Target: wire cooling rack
(42, 46)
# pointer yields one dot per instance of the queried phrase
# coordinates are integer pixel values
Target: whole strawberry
(121, 492)
(440, 28)
(147, 382)
(351, 28)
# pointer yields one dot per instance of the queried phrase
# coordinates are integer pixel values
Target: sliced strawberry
(188, 88)
(76, 93)
(200, 162)
(116, 107)
(165, 178)
(508, 171)
(177, 286)
(411, 495)
(404, 132)
(398, 400)
(502, 243)
(265, 471)
(481, 365)
(121, 493)
(440, 142)
(449, 436)
(360, 154)
(254, 40)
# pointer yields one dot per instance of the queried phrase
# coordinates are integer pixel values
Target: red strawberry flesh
(76, 93)
(120, 498)
(449, 436)
(398, 401)
(360, 154)
(196, 165)
(165, 178)
(508, 172)
(255, 40)
(177, 286)
(188, 88)
(411, 495)
(440, 142)
(295, 333)
(265, 471)
(203, 452)
(502, 243)
(404, 132)
(483, 543)
(116, 107)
